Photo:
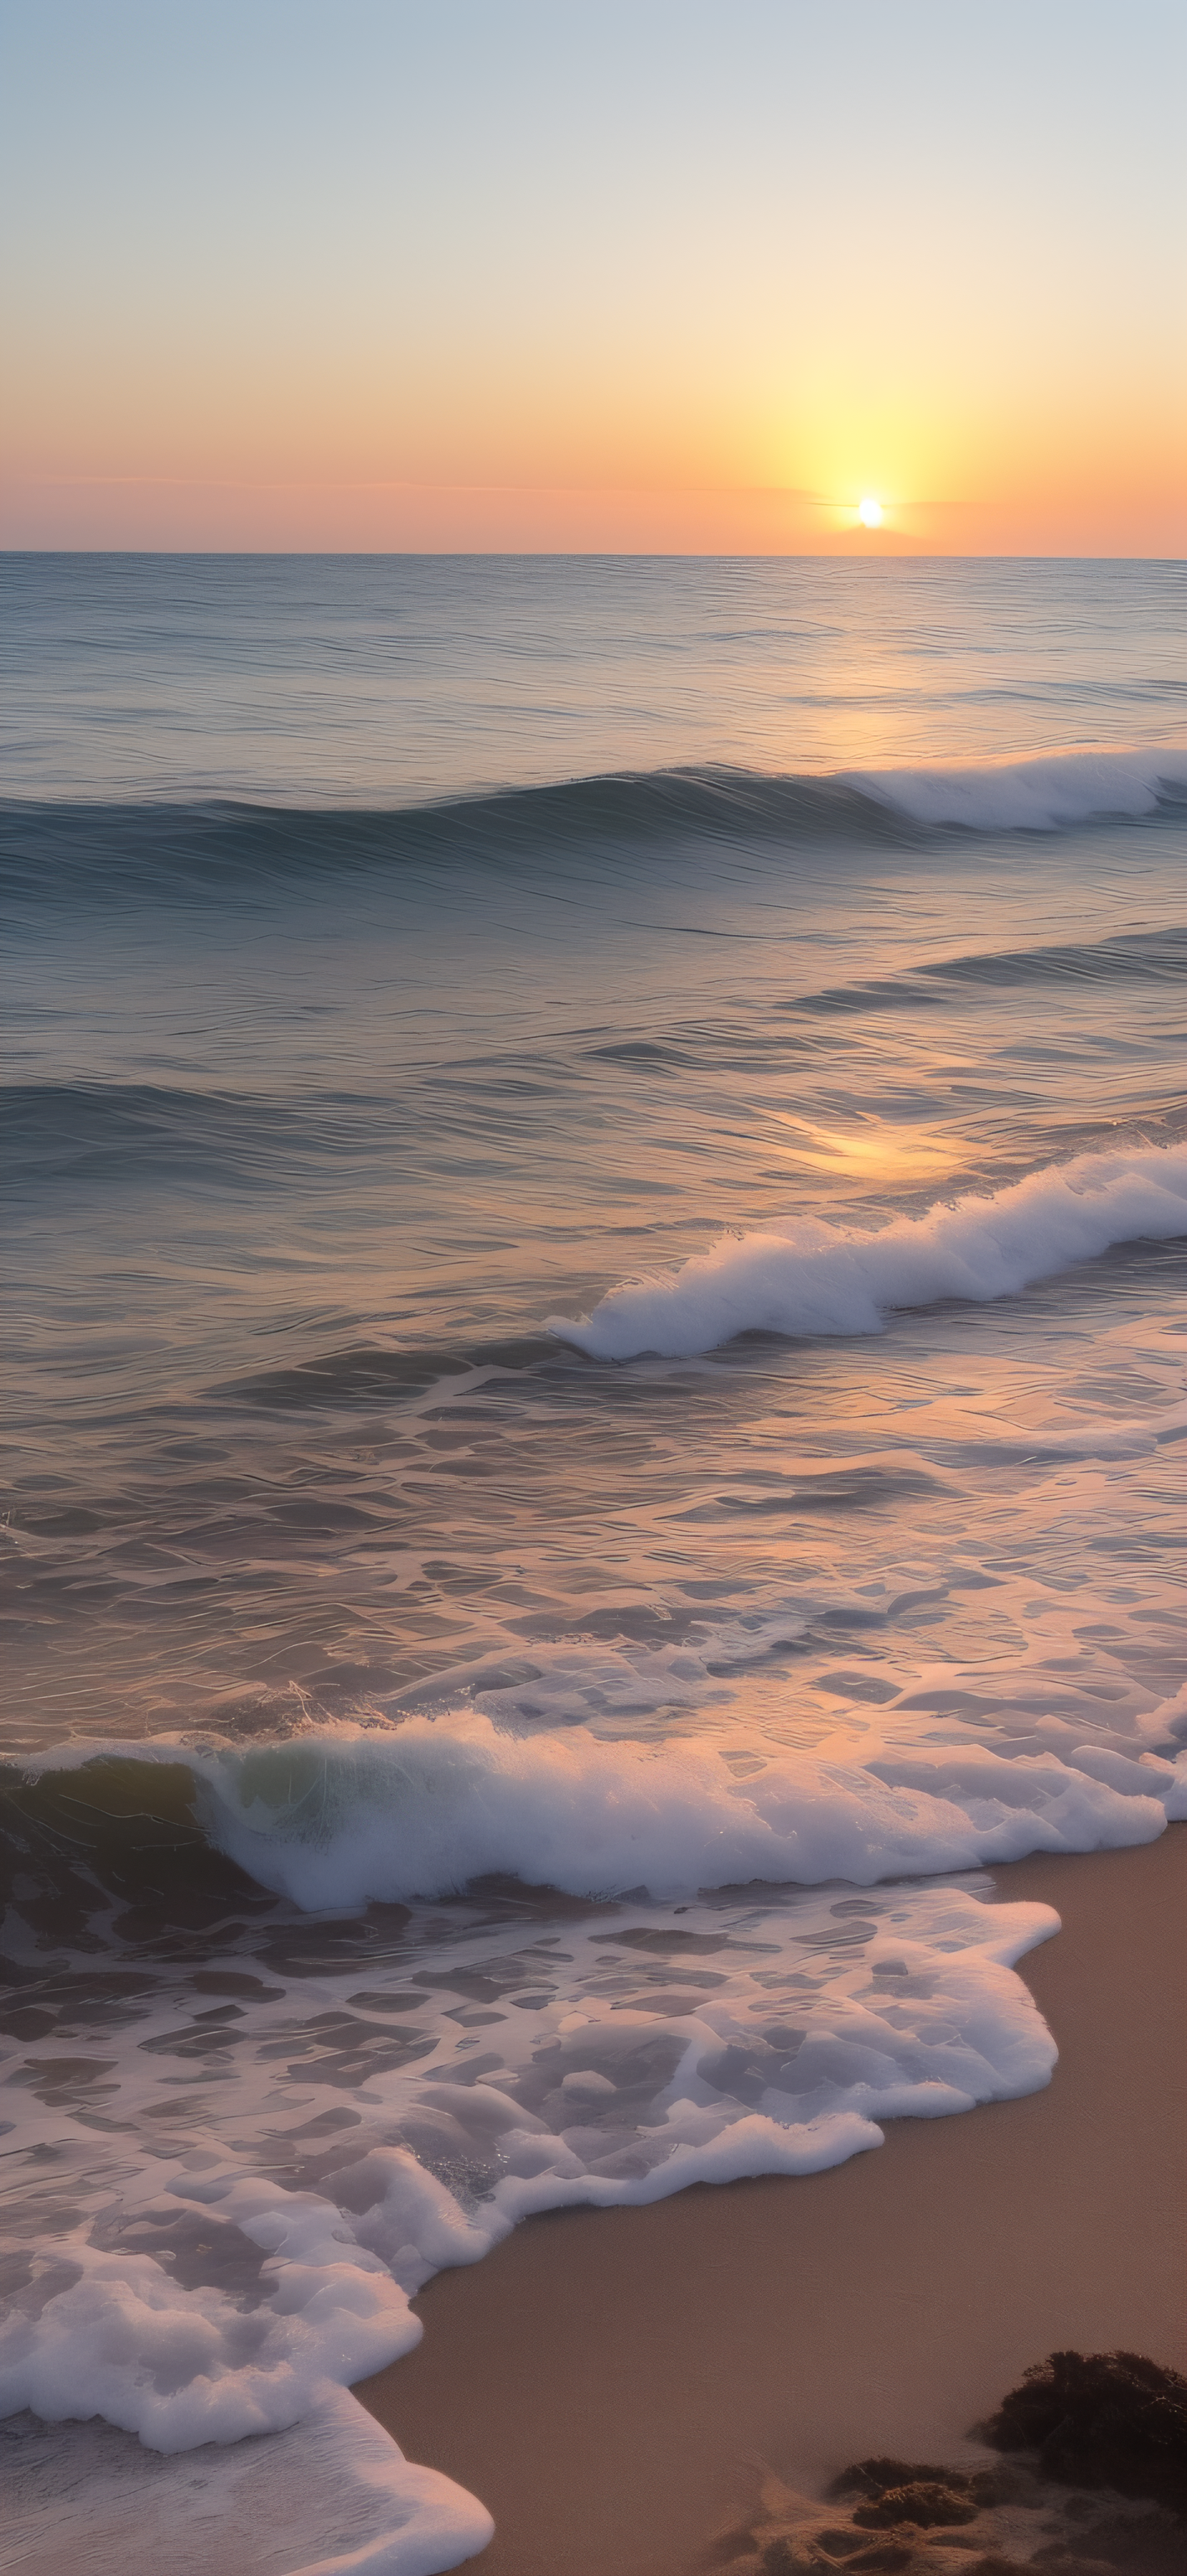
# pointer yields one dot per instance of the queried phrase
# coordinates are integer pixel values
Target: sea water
(596, 1202)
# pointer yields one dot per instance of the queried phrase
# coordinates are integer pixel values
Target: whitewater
(809, 1277)
(595, 1438)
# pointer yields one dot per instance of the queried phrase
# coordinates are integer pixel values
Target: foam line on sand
(603, 2379)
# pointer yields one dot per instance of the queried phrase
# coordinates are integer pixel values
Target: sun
(869, 512)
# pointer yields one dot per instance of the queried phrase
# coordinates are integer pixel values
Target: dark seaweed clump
(924, 2501)
(876, 2477)
(1101, 2419)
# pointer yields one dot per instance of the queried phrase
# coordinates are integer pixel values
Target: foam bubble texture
(191, 2296)
(361, 2509)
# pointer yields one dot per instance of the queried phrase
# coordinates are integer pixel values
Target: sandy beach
(608, 2398)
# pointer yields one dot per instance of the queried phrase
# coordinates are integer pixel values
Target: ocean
(596, 1183)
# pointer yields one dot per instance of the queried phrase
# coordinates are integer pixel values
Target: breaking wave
(811, 1277)
(185, 849)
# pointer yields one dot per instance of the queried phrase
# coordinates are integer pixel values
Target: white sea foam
(341, 1819)
(1039, 794)
(806, 1277)
(335, 2493)
(574, 1679)
(626, 2059)
(371, 1812)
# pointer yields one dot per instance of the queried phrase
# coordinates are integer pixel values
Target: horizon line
(864, 538)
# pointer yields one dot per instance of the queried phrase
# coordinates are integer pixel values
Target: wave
(1042, 793)
(141, 1130)
(1137, 957)
(808, 1277)
(219, 845)
(353, 1818)
(76, 1128)
(389, 1811)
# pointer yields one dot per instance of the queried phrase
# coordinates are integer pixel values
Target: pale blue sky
(573, 246)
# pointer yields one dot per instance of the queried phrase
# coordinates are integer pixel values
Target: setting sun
(869, 512)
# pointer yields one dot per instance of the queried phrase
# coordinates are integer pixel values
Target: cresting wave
(1046, 793)
(352, 1816)
(183, 848)
(809, 1277)
(406, 1807)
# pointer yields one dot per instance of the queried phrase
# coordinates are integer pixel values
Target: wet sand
(606, 2395)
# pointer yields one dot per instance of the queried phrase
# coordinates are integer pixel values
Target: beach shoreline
(609, 2399)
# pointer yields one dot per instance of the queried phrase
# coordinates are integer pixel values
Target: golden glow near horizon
(421, 279)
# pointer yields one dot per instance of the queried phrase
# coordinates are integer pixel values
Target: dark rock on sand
(1111, 2425)
(1146, 2544)
(873, 2477)
(1102, 2419)
(924, 2501)
(1007, 2485)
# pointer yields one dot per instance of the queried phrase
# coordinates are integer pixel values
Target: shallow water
(597, 1253)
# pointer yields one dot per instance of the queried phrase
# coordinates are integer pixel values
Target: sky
(488, 275)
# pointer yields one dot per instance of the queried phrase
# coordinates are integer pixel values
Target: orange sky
(513, 277)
